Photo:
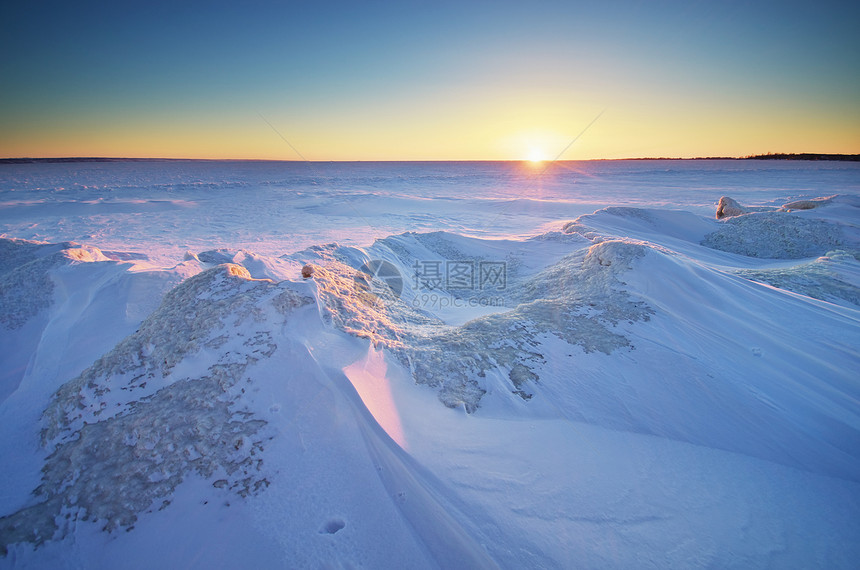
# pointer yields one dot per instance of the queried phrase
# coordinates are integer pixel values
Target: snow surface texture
(650, 387)
(776, 236)
(127, 431)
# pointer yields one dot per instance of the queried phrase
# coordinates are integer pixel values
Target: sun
(536, 155)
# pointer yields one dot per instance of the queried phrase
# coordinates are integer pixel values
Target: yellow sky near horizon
(514, 136)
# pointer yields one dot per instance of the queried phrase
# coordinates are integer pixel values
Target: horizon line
(767, 156)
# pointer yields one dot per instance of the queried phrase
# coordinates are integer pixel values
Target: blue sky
(430, 80)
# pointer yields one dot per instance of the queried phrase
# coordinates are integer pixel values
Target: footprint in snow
(332, 526)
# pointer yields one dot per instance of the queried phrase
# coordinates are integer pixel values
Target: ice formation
(776, 235)
(807, 204)
(579, 299)
(130, 428)
(727, 208)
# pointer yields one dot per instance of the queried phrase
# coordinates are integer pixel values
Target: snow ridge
(833, 277)
(579, 299)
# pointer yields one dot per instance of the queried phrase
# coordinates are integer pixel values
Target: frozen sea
(440, 364)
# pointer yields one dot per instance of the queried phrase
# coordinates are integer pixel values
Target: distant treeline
(768, 156)
(804, 156)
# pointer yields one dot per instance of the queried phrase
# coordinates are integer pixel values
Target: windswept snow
(25, 286)
(834, 277)
(607, 384)
(62, 305)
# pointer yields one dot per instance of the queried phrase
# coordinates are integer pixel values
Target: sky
(415, 80)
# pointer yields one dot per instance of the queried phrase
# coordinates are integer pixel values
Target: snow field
(656, 388)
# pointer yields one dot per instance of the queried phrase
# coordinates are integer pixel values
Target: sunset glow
(434, 82)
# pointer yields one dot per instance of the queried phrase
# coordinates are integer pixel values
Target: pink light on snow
(368, 376)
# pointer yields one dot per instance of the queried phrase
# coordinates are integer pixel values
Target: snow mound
(63, 305)
(578, 299)
(777, 235)
(640, 223)
(25, 284)
(733, 359)
(130, 428)
(258, 266)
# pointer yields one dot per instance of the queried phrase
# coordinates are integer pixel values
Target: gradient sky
(428, 80)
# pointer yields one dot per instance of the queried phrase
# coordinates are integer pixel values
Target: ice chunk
(728, 207)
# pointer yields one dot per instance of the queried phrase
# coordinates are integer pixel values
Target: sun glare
(535, 155)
